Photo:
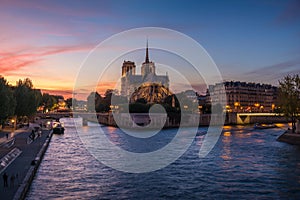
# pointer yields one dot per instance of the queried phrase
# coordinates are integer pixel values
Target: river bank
(245, 162)
(290, 138)
(24, 157)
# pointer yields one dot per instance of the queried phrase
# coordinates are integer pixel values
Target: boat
(264, 126)
(58, 128)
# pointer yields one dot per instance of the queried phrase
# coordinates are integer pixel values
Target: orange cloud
(65, 93)
(14, 61)
(103, 86)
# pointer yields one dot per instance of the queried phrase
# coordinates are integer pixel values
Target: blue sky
(248, 40)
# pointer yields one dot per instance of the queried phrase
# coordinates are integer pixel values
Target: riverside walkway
(17, 152)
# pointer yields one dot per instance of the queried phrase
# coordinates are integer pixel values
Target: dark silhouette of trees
(7, 101)
(289, 98)
(27, 98)
(95, 102)
(69, 102)
(48, 101)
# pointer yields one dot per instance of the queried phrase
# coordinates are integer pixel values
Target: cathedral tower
(147, 67)
(128, 68)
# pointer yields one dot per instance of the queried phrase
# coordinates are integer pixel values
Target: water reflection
(245, 163)
(226, 140)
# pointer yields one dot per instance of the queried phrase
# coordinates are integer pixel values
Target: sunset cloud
(47, 41)
(16, 60)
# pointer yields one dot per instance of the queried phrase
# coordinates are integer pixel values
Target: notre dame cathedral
(155, 87)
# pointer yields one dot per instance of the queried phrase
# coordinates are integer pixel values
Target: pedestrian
(7, 136)
(5, 177)
(12, 180)
(17, 178)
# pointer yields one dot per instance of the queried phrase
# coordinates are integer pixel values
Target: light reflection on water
(245, 163)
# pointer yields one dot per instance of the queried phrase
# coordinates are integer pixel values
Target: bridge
(251, 118)
(231, 118)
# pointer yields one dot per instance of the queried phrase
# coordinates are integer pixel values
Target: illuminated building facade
(131, 82)
(245, 97)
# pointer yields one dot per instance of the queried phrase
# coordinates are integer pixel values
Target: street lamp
(236, 105)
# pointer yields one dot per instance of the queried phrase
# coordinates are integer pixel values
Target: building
(245, 97)
(130, 81)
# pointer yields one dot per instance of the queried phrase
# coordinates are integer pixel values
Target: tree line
(22, 100)
(289, 98)
(105, 103)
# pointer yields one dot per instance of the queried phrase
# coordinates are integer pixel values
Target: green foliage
(289, 97)
(27, 98)
(48, 101)
(7, 101)
(70, 102)
(95, 102)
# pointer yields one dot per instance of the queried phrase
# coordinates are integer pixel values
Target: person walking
(12, 180)
(17, 178)
(5, 177)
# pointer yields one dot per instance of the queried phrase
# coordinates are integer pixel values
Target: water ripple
(245, 163)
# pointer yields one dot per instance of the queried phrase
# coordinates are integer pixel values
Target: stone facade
(130, 81)
(245, 97)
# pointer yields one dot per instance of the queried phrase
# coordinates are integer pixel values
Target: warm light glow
(227, 134)
(273, 106)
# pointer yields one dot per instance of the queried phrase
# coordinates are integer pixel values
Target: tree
(289, 98)
(7, 101)
(27, 98)
(48, 101)
(69, 102)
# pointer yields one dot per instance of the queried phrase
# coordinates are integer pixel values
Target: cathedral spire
(147, 53)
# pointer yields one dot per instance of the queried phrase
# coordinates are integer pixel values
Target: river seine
(244, 164)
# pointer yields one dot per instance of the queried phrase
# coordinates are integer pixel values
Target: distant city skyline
(251, 41)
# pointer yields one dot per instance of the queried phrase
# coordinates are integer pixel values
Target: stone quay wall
(161, 120)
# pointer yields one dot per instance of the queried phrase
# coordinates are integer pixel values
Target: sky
(47, 41)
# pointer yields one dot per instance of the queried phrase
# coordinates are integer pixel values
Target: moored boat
(264, 126)
(58, 128)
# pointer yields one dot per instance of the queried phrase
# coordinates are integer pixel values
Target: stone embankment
(290, 138)
(22, 159)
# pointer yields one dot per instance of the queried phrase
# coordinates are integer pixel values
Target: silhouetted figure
(7, 136)
(32, 135)
(12, 180)
(5, 177)
(17, 178)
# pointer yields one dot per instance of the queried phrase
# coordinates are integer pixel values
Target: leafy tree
(106, 102)
(69, 102)
(48, 101)
(289, 97)
(7, 101)
(27, 98)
